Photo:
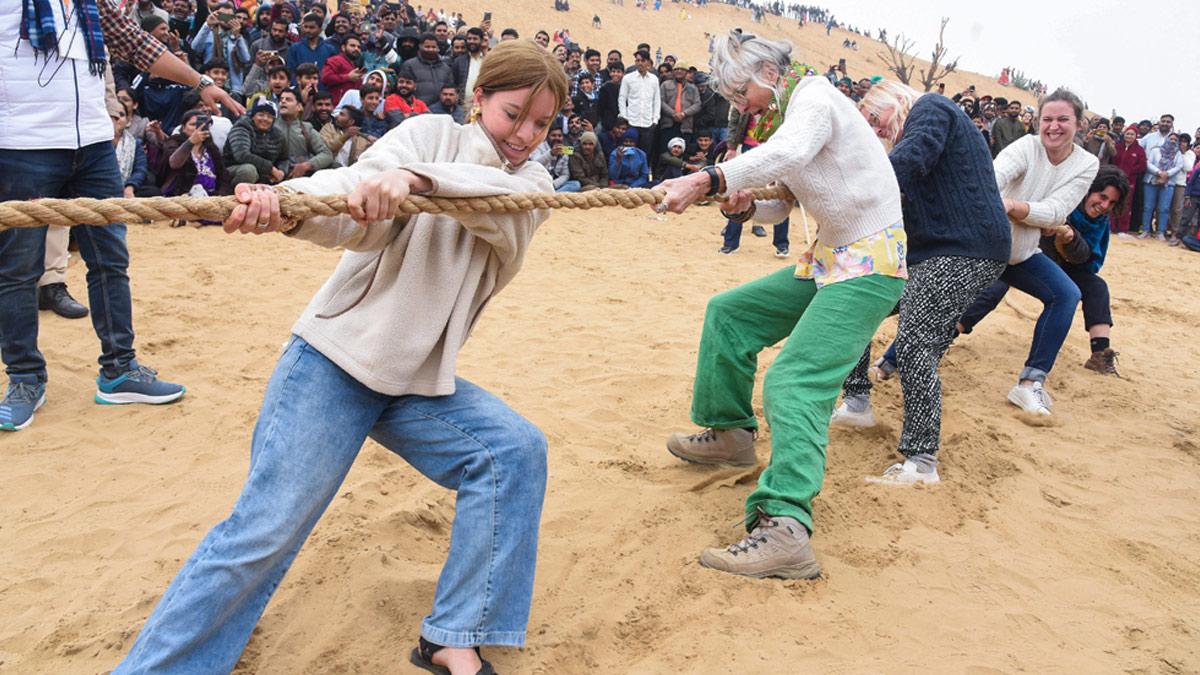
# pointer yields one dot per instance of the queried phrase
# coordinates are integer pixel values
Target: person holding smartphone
(192, 162)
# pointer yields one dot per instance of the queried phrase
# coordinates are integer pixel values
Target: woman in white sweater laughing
(1042, 179)
(374, 356)
(828, 306)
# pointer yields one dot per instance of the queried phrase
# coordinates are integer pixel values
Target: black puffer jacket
(263, 149)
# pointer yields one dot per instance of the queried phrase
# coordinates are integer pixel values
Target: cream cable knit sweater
(1024, 172)
(827, 155)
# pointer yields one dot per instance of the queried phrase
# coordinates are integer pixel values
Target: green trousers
(828, 329)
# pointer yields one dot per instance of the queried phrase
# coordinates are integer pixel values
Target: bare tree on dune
(898, 59)
(937, 70)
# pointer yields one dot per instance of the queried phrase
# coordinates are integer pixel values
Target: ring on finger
(661, 208)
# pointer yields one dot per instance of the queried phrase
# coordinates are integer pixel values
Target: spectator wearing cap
(428, 71)
(680, 103)
(627, 166)
(256, 150)
(672, 163)
(587, 164)
(714, 111)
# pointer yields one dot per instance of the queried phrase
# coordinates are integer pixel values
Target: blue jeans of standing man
(90, 171)
(1157, 196)
(313, 421)
(1042, 278)
(733, 234)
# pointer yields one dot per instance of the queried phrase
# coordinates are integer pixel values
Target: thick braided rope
(296, 206)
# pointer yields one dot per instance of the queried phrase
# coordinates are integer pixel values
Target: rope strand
(297, 206)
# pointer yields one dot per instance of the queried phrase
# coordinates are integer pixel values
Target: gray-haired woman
(830, 304)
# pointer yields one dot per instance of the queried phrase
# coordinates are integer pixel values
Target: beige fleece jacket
(406, 293)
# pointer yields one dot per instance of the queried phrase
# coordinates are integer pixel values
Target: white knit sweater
(1024, 172)
(827, 155)
(405, 295)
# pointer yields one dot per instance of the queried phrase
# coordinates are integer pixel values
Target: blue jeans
(90, 171)
(719, 134)
(1042, 278)
(733, 234)
(569, 186)
(1157, 196)
(313, 422)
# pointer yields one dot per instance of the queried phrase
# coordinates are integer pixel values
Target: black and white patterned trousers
(938, 291)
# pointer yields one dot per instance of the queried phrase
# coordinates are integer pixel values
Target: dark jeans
(1042, 278)
(733, 234)
(646, 138)
(1097, 305)
(90, 171)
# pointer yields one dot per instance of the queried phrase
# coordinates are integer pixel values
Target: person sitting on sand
(358, 366)
(828, 306)
(627, 165)
(1042, 178)
(958, 243)
(1079, 247)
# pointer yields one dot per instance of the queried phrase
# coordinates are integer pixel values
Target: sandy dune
(1068, 548)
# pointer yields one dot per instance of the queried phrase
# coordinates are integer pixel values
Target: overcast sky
(1108, 58)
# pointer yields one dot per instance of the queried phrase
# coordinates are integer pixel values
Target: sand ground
(1066, 548)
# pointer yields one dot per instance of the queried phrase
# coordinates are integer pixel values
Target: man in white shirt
(56, 140)
(640, 101)
(1166, 124)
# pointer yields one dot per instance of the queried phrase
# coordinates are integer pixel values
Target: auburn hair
(517, 64)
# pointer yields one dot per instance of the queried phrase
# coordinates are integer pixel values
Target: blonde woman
(958, 244)
(828, 306)
(374, 356)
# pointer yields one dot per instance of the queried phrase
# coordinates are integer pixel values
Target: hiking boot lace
(706, 436)
(21, 392)
(757, 535)
(1110, 363)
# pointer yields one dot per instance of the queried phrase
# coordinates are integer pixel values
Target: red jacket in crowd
(336, 76)
(1131, 160)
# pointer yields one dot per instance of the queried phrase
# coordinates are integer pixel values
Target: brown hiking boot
(778, 547)
(1103, 362)
(734, 447)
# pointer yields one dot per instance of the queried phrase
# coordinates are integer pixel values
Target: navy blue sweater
(951, 204)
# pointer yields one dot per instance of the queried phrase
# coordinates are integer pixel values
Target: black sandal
(422, 657)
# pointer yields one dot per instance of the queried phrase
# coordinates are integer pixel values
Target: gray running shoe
(734, 447)
(778, 547)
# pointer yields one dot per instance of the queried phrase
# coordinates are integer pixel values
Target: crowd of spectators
(320, 88)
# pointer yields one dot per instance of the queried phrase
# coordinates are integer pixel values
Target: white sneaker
(1031, 398)
(843, 416)
(905, 473)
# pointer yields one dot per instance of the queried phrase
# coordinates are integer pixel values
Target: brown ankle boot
(733, 447)
(1103, 362)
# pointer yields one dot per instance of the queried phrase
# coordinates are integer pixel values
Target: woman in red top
(1130, 158)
